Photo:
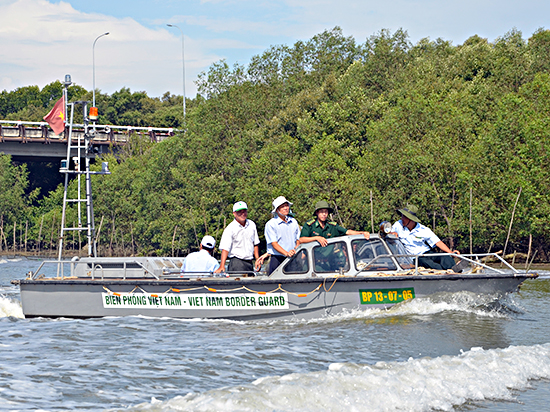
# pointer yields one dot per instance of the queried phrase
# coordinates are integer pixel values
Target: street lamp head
(93, 66)
(183, 65)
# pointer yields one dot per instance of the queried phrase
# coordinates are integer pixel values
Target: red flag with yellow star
(56, 117)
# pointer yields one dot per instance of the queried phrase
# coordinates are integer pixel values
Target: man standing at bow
(240, 242)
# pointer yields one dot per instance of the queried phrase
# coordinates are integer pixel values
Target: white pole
(93, 66)
(183, 64)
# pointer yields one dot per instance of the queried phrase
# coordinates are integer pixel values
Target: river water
(451, 352)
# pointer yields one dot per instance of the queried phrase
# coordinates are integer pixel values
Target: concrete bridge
(36, 141)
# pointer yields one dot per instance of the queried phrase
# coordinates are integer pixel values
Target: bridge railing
(27, 132)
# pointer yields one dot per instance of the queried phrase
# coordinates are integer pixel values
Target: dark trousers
(274, 262)
(436, 262)
(240, 265)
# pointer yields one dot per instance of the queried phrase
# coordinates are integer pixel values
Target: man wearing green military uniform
(319, 229)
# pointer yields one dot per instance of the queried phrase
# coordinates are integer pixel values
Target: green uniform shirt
(313, 228)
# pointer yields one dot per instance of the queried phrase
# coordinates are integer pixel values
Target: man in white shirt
(202, 261)
(281, 233)
(240, 242)
(419, 239)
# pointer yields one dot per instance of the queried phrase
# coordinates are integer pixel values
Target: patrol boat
(349, 273)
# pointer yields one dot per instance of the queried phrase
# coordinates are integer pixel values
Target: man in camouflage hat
(419, 240)
(320, 229)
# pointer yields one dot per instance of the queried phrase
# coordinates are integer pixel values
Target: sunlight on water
(415, 385)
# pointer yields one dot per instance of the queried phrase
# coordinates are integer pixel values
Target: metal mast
(78, 148)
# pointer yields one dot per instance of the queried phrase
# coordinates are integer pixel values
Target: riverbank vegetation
(459, 130)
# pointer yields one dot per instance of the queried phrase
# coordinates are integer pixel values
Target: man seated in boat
(202, 261)
(420, 240)
(320, 228)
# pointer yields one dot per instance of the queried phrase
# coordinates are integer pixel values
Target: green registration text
(377, 296)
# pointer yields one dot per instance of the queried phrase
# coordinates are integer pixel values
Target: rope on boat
(111, 292)
(300, 295)
(182, 290)
(324, 281)
(259, 292)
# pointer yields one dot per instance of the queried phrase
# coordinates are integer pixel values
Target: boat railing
(60, 268)
(98, 266)
(475, 259)
(61, 265)
(170, 273)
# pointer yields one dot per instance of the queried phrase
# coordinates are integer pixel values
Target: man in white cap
(240, 242)
(202, 261)
(281, 233)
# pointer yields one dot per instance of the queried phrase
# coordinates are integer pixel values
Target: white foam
(424, 384)
(467, 302)
(9, 307)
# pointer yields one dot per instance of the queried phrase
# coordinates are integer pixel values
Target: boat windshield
(332, 258)
(366, 252)
(298, 264)
(397, 248)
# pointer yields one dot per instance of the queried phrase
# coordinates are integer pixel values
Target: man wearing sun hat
(281, 233)
(419, 240)
(320, 229)
(240, 242)
(202, 261)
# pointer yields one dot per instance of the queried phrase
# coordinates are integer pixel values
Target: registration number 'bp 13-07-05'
(377, 296)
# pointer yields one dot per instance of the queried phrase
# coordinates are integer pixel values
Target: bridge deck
(36, 139)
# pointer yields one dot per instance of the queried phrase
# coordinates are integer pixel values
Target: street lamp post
(183, 64)
(93, 66)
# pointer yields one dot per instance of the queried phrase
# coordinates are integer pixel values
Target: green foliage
(330, 119)
(123, 107)
(32, 104)
(15, 204)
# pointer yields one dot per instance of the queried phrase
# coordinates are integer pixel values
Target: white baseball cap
(278, 202)
(239, 206)
(209, 242)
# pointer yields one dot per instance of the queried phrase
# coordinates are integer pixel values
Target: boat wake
(10, 308)
(425, 384)
(467, 302)
(3, 261)
(482, 305)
